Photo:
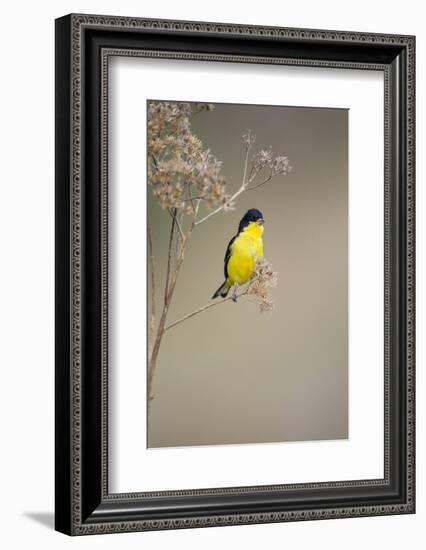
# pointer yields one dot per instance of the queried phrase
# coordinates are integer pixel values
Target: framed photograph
(234, 274)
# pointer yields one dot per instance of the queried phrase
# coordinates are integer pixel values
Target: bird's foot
(234, 296)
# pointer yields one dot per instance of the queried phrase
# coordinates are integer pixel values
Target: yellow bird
(242, 251)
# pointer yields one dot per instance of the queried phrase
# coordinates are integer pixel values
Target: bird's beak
(260, 221)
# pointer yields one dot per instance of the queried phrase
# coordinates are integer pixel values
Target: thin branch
(196, 312)
(153, 299)
(212, 304)
(169, 260)
(246, 163)
(179, 222)
(259, 184)
(179, 260)
(155, 163)
(175, 217)
(252, 175)
(194, 210)
(171, 281)
(194, 197)
(235, 195)
(197, 207)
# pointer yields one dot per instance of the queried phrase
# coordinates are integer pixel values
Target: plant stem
(171, 280)
(175, 216)
(152, 362)
(153, 299)
(259, 184)
(204, 308)
(169, 259)
(234, 196)
(196, 312)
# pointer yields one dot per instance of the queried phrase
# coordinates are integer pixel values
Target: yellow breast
(245, 249)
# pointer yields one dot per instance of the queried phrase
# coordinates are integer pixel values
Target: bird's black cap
(251, 215)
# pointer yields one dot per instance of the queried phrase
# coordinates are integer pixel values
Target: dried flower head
(180, 169)
(249, 139)
(263, 280)
(275, 165)
(262, 159)
(280, 166)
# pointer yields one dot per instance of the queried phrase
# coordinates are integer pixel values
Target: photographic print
(247, 309)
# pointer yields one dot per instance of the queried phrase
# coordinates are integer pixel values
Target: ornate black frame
(83, 46)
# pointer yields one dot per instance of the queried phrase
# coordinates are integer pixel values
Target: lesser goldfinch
(242, 251)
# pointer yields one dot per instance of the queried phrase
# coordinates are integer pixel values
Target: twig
(153, 299)
(169, 259)
(220, 208)
(174, 216)
(194, 197)
(171, 280)
(246, 163)
(259, 184)
(179, 260)
(252, 175)
(179, 222)
(235, 195)
(200, 310)
(208, 306)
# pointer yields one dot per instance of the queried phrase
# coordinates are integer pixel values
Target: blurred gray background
(231, 374)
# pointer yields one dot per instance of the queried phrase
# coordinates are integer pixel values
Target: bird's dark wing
(228, 255)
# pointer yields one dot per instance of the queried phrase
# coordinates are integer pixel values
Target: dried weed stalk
(183, 175)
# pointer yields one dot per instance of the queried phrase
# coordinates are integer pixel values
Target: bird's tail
(221, 291)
